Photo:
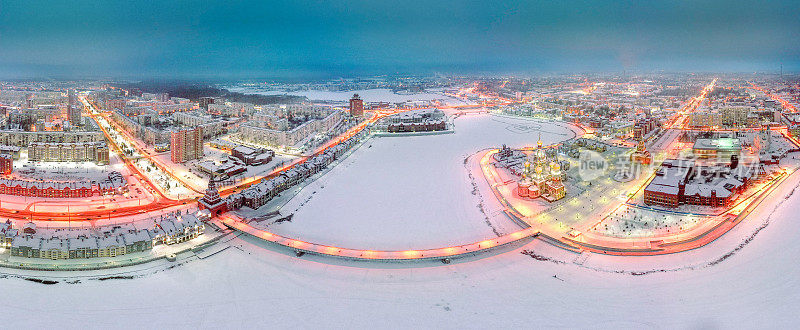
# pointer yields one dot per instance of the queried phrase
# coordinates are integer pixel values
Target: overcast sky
(242, 39)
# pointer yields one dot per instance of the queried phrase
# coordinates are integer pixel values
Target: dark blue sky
(241, 39)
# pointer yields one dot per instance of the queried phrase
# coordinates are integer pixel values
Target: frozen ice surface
(412, 192)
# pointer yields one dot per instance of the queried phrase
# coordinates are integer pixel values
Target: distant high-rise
(134, 92)
(205, 101)
(162, 97)
(73, 110)
(72, 97)
(115, 104)
(74, 115)
(186, 144)
(356, 106)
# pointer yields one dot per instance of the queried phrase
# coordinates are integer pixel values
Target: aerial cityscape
(400, 164)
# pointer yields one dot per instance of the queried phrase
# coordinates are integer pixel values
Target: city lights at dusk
(399, 164)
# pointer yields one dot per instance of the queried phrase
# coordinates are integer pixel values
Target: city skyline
(399, 164)
(322, 40)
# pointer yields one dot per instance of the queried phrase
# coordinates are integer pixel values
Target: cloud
(264, 38)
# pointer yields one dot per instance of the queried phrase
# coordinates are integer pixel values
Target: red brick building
(205, 101)
(6, 164)
(668, 196)
(429, 125)
(676, 184)
(186, 144)
(212, 202)
(356, 106)
(115, 183)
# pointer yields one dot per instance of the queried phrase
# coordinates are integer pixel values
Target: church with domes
(541, 176)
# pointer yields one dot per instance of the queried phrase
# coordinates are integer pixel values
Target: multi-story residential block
(186, 144)
(69, 152)
(205, 101)
(211, 126)
(24, 138)
(115, 104)
(260, 134)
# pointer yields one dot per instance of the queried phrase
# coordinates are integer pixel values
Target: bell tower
(211, 200)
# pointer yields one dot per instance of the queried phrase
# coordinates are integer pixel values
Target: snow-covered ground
(65, 171)
(136, 195)
(635, 222)
(414, 192)
(745, 279)
(194, 174)
(250, 285)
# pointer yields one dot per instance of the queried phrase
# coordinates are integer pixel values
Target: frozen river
(399, 193)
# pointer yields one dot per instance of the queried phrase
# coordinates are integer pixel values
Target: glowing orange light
(411, 254)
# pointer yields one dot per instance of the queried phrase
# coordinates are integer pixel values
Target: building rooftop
(724, 144)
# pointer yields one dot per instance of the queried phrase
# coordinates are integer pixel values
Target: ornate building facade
(541, 177)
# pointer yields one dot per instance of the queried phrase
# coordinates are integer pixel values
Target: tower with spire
(211, 201)
(641, 154)
(539, 156)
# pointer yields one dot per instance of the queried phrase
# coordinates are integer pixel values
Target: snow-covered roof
(32, 242)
